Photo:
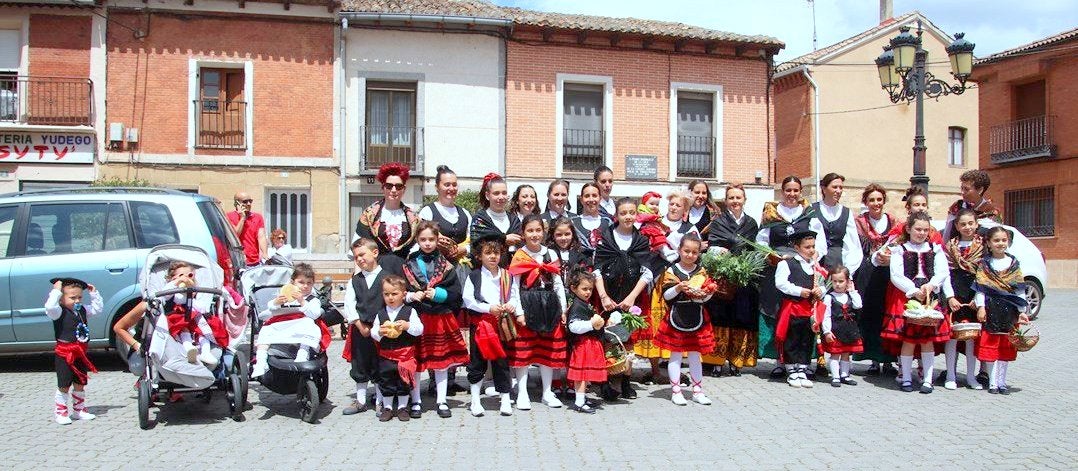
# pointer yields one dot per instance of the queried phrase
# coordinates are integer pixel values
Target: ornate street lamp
(902, 74)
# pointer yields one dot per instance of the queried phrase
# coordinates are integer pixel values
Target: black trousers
(389, 379)
(364, 357)
(64, 376)
(800, 340)
(477, 368)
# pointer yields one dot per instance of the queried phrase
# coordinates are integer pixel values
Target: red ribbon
(533, 269)
(487, 340)
(406, 364)
(74, 353)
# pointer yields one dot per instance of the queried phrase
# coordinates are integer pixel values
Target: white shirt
(415, 325)
(673, 239)
(491, 292)
(501, 220)
(311, 308)
(851, 243)
(590, 222)
(53, 309)
(998, 264)
(449, 213)
(695, 213)
(782, 275)
(880, 225)
(608, 205)
(392, 216)
(898, 273)
(559, 288)
(350, 312)
(855, 303)
(788, 214)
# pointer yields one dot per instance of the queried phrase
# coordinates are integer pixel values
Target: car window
(76, 228)
(153, 224)
(7, 224)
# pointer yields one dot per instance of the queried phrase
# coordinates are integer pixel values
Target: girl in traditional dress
(622, 259)
(964, 252)
(841, 337)
(557, 201)
(603, 178)
(525, 201)
(590, 224)
(700, 213)
(874, 275)
(918, 271)
(1001, 306)
(735, 321)
(685, 329)
(587, 361)
(435, 293)
(916, 201)
(541, 337)
(562, 239)
(795, 278)
(780, 220)
(389, 222)
(69, 320)
(494, 217)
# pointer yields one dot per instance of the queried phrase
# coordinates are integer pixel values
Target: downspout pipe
(410, 18)
(815, 130)
(342, 154)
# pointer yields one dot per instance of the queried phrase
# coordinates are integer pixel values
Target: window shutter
(10, 49)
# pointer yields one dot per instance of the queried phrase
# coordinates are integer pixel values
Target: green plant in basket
(739, 270)
(632, 320)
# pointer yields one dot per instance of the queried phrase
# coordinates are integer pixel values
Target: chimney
(887, 11)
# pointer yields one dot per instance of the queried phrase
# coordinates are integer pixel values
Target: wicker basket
(965, 330)
(773, 259)
(921, 320)
(623, 362)
(724, 289)
(1026, 342)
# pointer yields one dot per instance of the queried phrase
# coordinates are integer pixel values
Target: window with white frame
(956, 146)
(583, 139)
(290, 211)
(695, 135)
(10, 51)
(220, 108)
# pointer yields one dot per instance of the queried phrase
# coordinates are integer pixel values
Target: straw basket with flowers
(1024, 337)
(920, 314)
(618, 358)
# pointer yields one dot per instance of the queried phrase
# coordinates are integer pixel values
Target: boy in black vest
(363, 301)
(489, 293)
(69, 321)
(397, 330)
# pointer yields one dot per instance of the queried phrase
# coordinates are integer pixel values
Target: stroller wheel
(144, 392)
(322, 379)
(307, 396)
(207, 396)
(236, 396)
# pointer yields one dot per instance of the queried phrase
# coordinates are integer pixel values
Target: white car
(1031, 260)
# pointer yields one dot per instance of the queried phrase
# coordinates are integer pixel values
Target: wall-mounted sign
(46, 148)
(641, 167)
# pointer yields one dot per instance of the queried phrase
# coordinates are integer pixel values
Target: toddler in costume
(183, 323)
(69, 317)
(299, 323)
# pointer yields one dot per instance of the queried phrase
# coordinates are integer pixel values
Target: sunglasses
(393, 186)
(246, 201)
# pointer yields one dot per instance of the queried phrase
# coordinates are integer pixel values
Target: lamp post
(903, 75)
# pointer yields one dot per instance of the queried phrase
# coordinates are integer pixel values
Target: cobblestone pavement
(754, 423)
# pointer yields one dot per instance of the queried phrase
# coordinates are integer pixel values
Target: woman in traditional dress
(702, 209)
(872, 279)
(590, 223)
(557, 201)
(838, 243)
(389, 222)
(494, 217)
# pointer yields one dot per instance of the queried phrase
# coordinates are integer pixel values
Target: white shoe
(793, 380)
(974, 385)
(950, 385)
(82, 415)
(477, 408)
(507, 406)
(208, 359)
(63, 419)
(701, 398)
(524, 402)
(677, 397)
(192, 355)
(491, 391)
(552, 401)
(259, 369)
(805, 383)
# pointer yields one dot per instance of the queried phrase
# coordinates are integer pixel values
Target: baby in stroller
(182, 325)
(290, 318)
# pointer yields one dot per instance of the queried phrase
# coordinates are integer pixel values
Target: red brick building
(1029, 144)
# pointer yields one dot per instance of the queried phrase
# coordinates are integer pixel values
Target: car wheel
(1035, 296)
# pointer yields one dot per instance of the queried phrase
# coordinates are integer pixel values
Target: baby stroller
(308, 380)
(164, 362)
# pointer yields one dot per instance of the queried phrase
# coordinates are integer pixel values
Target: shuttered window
(290, 211)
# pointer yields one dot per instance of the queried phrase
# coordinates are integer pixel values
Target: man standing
(250, 227)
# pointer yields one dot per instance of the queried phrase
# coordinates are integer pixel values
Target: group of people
(514, 285)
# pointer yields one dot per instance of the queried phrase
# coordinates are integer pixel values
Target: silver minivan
(102, 236)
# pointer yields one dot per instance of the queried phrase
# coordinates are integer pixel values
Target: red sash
(487, 340)
(74, 353)
(533, 269)
(406, 362)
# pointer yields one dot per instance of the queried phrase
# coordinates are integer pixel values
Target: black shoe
(873, 370)
(811, 375)
(993, 390)
(683, 380)
(416, 412)
(354, 408)
(890, 368)
(608, 392)
(907, 386)
(982, 378)
(847, 381)
(836, 383)
(778, 372)
(648, 379)
(443, 411)
(454, 389)
(735, 371)
(926, 388)
(627, 390)
(1004, 390)
(584, 409)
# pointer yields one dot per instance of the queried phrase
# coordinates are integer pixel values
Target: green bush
(467, 199)
(121, 182)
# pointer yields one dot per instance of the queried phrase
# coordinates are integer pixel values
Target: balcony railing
(385, 144)
(696, 156)
(583, 149)
(1023, 139)
(221, 124)
(53, 101)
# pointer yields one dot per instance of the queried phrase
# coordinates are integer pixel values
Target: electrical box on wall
(132, 138)
(116, 136)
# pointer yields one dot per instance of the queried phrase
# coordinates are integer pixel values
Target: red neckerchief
(524, 263)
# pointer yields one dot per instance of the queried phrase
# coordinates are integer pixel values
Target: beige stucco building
(832, 116)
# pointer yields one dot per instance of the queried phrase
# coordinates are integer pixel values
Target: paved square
(754, 424)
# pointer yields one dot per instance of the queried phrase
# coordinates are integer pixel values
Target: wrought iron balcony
(221, 124)
(54, 101)
(1024, 139)
(696, 156)
(583, 149)
(386, 144)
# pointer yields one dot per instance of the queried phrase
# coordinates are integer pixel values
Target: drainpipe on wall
(342, 154)
(815, 131)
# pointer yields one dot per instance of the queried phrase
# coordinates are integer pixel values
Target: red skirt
(896, 330)
(837, 348)
(587, 362)
(441, 346)
(700, 340)
(995, 347)
(534, 348)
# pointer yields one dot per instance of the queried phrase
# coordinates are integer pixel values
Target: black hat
(70, 282)
(798, 236)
